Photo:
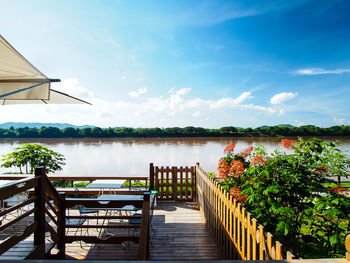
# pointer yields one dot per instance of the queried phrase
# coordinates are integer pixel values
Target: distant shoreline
(173, 132)
(97, 139)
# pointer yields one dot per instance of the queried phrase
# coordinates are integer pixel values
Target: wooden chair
(80, 221)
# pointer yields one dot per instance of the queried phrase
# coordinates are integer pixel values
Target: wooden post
(278, 255)
(39, 215)
(254, 230)
(347, 246)
(290, 255)
(61, 231)
(151, 176)
(261, 243)
(174, 182)
(270, 255)
(248, 238)
(195, 182)
(144, 231)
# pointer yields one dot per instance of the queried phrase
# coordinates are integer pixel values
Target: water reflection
(131, 156)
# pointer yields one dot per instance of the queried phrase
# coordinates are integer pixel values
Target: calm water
(131, 157)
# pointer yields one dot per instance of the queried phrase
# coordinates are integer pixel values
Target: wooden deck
(180, 233)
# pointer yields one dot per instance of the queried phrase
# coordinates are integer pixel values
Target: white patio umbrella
(22, 83)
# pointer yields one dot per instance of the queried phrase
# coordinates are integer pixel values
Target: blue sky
(186, 63)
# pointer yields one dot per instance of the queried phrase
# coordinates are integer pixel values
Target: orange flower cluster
(338, 189)
(288, 143)
(235, 193)
(246, 152)
(237, 168)
(258, 159)
(223, 168)
(229, 148)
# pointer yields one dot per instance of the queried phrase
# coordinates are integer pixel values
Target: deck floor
(180, 233)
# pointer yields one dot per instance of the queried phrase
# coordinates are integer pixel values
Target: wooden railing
(64, 179)
(49, 224)
(173, 183)
(35, 206)
(238, 235)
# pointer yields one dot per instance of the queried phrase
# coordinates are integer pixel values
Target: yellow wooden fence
(238, 235)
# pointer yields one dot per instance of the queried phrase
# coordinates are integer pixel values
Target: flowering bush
(231, 167)
(291, 193)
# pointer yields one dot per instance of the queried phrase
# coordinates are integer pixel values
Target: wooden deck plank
(180, 234)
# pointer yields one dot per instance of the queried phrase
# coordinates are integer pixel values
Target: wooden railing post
(39, 215)
(151, 176)
(195, 182)
(144, 231)
(61, 230)
(174, 182)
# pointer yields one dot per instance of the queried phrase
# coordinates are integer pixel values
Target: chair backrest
(77, 195)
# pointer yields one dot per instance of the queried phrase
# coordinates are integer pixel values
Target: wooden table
(112, 185)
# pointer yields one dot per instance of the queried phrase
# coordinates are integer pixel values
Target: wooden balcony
(195, 219)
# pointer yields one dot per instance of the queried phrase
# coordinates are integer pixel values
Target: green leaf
(332, 212)
(309, 212)
(319, 205)
(283, 227)
(333, 240)
(281, 210)
(272, 189)
(289, 211)
(335, 201)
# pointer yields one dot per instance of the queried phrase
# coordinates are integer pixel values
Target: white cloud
(180, 92)
(281, 97)
(72, 87)
(178, 108)
(260, 108)
(339, 121)
(138, 92)
(230, 102)
(177, 103)
(320, 71)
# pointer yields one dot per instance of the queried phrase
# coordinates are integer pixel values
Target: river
(131, 157)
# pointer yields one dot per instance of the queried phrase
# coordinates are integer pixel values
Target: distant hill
(279, 125)
(38, 125)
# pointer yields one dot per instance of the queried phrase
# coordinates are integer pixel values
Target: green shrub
(289, 193)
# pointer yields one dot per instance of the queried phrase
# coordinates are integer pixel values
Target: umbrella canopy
(22, 83)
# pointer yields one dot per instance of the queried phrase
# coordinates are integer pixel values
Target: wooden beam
(74, 177)
(144, 231)
(39, 215)
(28, 80)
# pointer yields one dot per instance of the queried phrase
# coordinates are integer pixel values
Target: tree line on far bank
(125, 132)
